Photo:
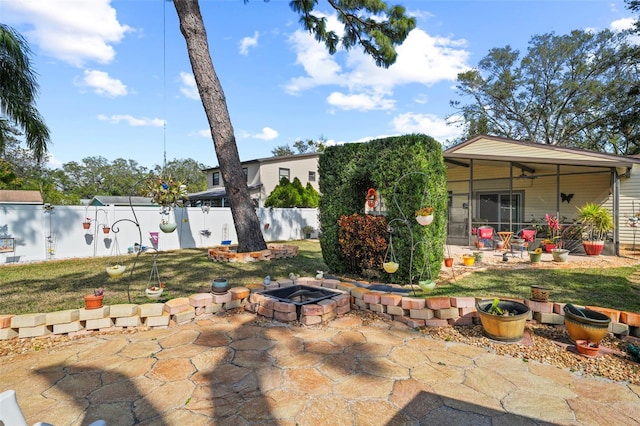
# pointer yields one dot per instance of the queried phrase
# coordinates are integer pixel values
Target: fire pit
(300, 294)
(304, 303)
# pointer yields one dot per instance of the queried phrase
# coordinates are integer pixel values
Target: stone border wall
(414, 311)
(274, 251)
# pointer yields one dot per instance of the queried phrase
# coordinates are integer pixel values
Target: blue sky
(111, 72)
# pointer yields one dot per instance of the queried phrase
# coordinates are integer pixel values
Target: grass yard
(57, 285)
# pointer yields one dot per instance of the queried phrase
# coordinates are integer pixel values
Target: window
(312, 176)
(246, 174)
(216, 179)
(283, 173)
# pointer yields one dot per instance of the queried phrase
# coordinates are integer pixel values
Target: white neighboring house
(263, 175)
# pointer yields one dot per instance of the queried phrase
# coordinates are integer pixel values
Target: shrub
(362, 240)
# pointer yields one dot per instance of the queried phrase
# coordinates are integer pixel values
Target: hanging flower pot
(427, 285)
(116, 271)
(168, 227)
(86, 225)
(390, 267)
(106, 229)
(424, 216)
(448, 262)
(153, 292)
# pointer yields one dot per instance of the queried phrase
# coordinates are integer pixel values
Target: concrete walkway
(233, 370)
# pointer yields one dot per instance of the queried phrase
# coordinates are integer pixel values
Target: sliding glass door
(498, 209)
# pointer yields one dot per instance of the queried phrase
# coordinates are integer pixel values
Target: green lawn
(57, 285)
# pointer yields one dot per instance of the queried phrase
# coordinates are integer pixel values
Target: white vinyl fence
(30, 233)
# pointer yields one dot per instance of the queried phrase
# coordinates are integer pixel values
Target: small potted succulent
(94, 301)
(424, 216)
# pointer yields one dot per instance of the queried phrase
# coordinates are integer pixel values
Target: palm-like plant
(596, 220)
(18, 91)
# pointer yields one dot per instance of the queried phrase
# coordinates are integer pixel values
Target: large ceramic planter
(168, 227)
(93, 302)
(424, 220)
(501, 327)
(585, 324)
(560, 255)
(593, 248)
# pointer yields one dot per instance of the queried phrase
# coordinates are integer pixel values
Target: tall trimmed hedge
(414, 165)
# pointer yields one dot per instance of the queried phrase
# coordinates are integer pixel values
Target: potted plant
(424, 216)
(560, 254)
(553, 232)
(585, 324)
(468, 259)
(116, 270)
(597, 222)
(426, 285)
(94, 301)
(503, 320)
(535, 256)
(106, 229)
(87, 223)
(390, 267)
(155, 291)
(167, 193)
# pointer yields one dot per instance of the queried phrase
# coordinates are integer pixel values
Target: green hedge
(414, 165)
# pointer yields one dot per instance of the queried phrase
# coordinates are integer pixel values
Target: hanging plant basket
(116, 271)
(106, 229)
(390, 267)
(424, 220)
(426, 285)
(168, 227)
(86, 225)
(154, 292)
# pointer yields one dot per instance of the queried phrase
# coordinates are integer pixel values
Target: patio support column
(616, 210)
(510, 196)
(558, 201)
(470, 201)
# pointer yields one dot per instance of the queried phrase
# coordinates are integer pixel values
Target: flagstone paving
(236, 370)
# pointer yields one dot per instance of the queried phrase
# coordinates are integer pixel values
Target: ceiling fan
(524, 175)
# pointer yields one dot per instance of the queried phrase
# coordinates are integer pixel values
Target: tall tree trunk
(244, 216)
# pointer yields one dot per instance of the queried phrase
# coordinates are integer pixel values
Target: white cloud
(248, 42)
(422, 59)
(622, 24)
(267, 134)
(360, 102)
(100, 82)
(188, 86)
(429, 124)
(131, 120)
(70, 30)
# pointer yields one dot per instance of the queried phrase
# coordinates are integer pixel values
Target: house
(262, 175)
(9, 196)
(509, 185)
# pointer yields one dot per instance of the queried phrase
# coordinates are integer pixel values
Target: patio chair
(485, 235)
(528, 235)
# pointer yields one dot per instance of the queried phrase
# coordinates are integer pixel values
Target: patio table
(505, 236)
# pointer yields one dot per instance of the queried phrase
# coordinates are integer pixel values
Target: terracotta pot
(593, 248)
(106, 229)
(540, 294)
(86, 225)
(500, 327)
(448, 262)
(585, 324)
(588, 348)
(93, 302)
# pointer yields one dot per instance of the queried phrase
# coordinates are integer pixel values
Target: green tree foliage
(303, 147)
(18, 92)
(186, 170)
(282, 151)
(568, 90)
(292, 194)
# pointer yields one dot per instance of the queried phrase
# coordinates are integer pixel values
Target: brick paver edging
(416, 312)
